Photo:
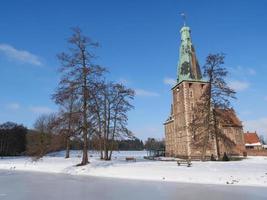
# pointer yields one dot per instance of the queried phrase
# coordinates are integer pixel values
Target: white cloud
(239, 85)
(169, 81)
(259, 125)
(13, 106)
(141, 92)
(40, 110)
(19, 55)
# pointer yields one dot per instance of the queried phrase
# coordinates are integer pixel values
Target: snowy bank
(251, 171)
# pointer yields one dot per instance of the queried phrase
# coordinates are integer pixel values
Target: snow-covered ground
(251, 171)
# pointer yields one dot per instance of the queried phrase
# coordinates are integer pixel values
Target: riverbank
(249, 172)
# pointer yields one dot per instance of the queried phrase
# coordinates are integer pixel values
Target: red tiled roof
(251, 138)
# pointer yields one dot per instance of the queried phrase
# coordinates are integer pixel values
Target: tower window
(192, 106)
(191, 94)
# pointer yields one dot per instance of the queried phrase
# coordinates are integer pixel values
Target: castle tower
(186, 93)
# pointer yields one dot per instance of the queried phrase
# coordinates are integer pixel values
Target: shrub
(225, 157)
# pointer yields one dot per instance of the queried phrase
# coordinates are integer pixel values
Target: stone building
(186, 93)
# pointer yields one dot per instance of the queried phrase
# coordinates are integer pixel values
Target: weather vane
(184, 17)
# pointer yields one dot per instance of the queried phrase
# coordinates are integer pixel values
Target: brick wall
(255, 152)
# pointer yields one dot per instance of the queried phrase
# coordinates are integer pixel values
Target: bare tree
(97, 110)
(79, 72)
(205, 124)
(262, 139)
(69, 115)
(110, 105)
(44, 125)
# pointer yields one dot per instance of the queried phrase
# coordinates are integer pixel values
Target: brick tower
(186, 93)
(180, 141)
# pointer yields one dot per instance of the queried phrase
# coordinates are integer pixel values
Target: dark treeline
(119, 145)
(12, 139)
(134, 144)
(154, 144)
(18, 140)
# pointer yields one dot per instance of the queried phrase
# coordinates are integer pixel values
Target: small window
(191, 94)
(192, 106)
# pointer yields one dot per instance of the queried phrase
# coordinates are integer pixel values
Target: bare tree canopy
(110, 103)
(218, 92)
(78, 73)
(216, 97)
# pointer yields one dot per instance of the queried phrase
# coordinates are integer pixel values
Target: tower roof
(188, 67)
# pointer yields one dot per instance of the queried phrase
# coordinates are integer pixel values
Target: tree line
(16, 139)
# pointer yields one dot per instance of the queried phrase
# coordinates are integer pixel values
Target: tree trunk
(111, 148)
(100, 148)
(204, 148)
(85, 149)
(85, 129)
(67, 147)
(106, 150)
(216, 135)
(208, 109)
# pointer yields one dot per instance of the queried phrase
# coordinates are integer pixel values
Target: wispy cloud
(243, 71)
(13, 106)
(141, 92)
(169, 81)
(41, 109)
(239, 85)
(259, 125)
(19, 55)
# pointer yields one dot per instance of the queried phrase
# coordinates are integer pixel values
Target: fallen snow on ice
(251, 171)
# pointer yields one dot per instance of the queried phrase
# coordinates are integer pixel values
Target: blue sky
(139, 45)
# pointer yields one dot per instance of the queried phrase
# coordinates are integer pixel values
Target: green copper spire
(188, 68)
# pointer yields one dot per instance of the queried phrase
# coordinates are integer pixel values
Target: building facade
(252, 141)
(186, 94)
